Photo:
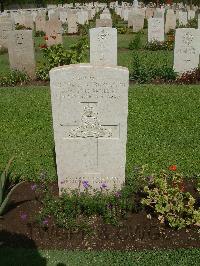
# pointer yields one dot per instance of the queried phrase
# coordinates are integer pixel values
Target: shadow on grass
(13, 254)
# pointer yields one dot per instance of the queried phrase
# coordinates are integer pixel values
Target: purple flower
(85, 184)
(118, 194)
(103, 185)
(109, 205)
(33, 187)
(23, 216)
(45, 222)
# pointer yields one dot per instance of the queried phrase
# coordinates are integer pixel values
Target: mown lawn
(21, 257)
(163, 129)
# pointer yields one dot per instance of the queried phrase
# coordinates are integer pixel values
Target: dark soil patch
(136, 232)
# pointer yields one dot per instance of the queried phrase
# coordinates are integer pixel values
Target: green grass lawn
(20, 257)
(163, 129)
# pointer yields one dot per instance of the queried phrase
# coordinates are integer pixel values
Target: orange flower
(172, 167)
(42, 46)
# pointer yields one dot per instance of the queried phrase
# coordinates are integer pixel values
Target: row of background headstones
(155, 32)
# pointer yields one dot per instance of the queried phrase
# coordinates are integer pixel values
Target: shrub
(167, 198)
(6, 187)
(166, 73)
(190, 77)
(21, 27)
(40, 33)
(156, 45)
(121, 29)
(75, 210)
(192, 23)
(57, 55)
(145, 24)
(13, 78)
(3, 50)
(83, 29)
(145, 74)
(136, 42)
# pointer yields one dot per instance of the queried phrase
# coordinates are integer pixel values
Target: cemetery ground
(163, 130)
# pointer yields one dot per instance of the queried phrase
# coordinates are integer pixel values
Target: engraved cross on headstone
(91, 128)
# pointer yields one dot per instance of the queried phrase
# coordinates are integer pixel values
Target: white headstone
(138, 22)
(103, 46)
(170, 23)
(21, 51)
(156, 29)
(183, 18)
(72, 21)
(6, 26)
(90, 107)
(191, 14)
(103, 23)
(187, 49)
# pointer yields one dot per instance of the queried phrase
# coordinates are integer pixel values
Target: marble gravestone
(187, 50)
(103, 23)
(54, 32)
(156, 29)
(183, 18)
(89, 108)
(103, 46)
(6, 26)
(21, 51)
(72, 21)
(199, 22)
(40, 22)
(170, 23)
(138, 22)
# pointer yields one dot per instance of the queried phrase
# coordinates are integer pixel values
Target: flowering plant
(167, 197)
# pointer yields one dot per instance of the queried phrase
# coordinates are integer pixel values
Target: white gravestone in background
(72, 22)
(103, 46)
(183, 18)
(90, 107)
(170, 23)
(199, 22)
(138, 22)
(54, 32)
(156, 29)
(103, 23)
(21, 51)
(6, 27)
(191, 14)
(187, 49)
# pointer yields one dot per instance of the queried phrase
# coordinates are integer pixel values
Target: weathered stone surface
(40, 22)
(183, 18)
(187, 49)
(54, 32)
(170, 23)
(138, 22)
(6, 26)
(72, 21)
(103, 46)
(156, 29)
(191, 14)
(89, 107)
(149, 13)
(21, 51)
(103, 23)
